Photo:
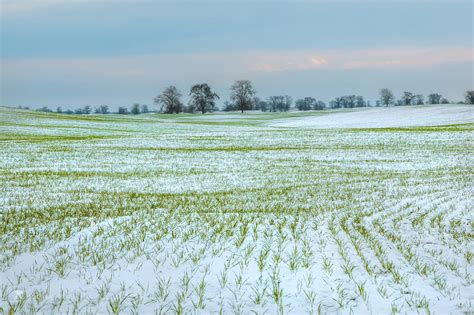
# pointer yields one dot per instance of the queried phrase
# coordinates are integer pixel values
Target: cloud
(276, 62)
(24, 5)
(167, 66)
(125, 80)
(412, 58)
(30, 5)
(223, 65)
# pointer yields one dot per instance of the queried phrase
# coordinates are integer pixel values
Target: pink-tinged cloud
(406, 58)
(223, 66)
(271, 62)
(413, 58)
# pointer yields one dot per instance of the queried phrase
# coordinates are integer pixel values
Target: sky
(72, 53)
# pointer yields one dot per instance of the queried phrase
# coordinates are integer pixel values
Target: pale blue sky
(77, 52)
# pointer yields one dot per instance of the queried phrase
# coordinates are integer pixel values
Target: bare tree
(202, 97)
(407, 98)
(434, 98)
(259, 104)
(87, 110)
(469, 97)
(386, 97)
(273, 102)
(123, 110)
(241, 93)
(360, 102)
(170, 101)
(444, 100)
(228, 107)
(347, 101)
(280, 103)
(287, 103)
(256, 103)
(135, 109)
(306, 103)
(418, 99)
(104, 109)
(44, 109)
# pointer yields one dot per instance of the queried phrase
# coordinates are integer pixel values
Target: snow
(382, 117)
(165, 216)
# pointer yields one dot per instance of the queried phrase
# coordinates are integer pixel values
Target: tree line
(243, 97)
(102, 109)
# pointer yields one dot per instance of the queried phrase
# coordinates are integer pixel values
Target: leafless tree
(135, 109)
(202, 97)
(407, 98)
(241, 93)
(281, 103)
(434, 98)
(386, 97)
(169, 101)
(469, 97)
(418, 100)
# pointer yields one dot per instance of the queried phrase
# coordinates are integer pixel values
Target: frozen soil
(249, 214)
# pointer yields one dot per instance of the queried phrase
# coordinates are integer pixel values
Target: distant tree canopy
(229, 107)
(242, 93)
(170, 101)
(309, 103)
(469, 97)
(444, 101)
(202, 98)
(259, 104)
(348, 101)
(434, 98)
(243, 97)
(407, 98)
(306, 103)
(281, 103)
(386, 97)
(135, 109)
(418, 99)
(87, 110)
(104, 109)
(319, 105)
(44, 109)
(123, 110)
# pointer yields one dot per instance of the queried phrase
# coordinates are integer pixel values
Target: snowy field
(381, 117)
(248, 214)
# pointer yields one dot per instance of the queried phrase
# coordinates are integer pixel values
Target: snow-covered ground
(383, 117)
(165, 214)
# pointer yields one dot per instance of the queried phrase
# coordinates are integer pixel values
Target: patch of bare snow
(386, 117)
